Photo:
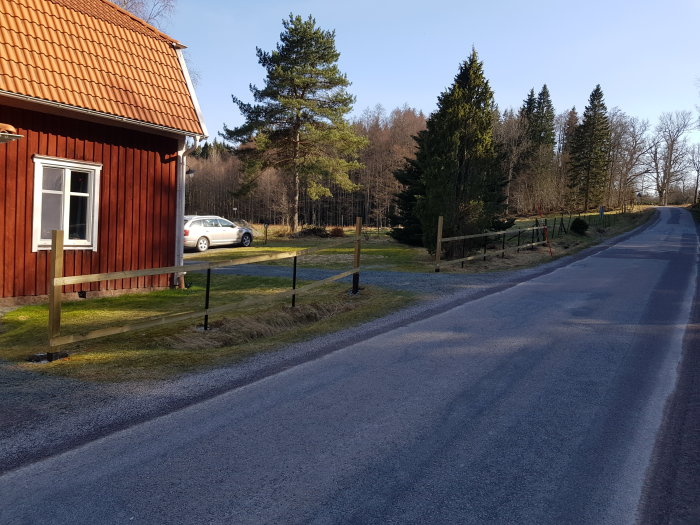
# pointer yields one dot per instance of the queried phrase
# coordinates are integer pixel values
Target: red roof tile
(92, 55)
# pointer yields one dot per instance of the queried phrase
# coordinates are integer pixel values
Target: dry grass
(561, 245)
(172, 350)
(242, 329)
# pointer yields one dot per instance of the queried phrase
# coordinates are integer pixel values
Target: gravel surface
(43, 415)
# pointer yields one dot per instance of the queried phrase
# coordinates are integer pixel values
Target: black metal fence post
(356, 258)
(206, 300)
(503, 246)
(294, 282)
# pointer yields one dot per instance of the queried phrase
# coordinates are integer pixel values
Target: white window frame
(67, 165)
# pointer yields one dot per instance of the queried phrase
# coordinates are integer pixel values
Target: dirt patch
(246, 328)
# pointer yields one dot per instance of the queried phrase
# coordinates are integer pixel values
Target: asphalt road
(537, 404)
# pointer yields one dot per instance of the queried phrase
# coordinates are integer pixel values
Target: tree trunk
(295, 203)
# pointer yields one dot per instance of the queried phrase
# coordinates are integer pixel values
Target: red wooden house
(103, 105)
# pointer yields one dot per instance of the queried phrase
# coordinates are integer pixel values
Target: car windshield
(241, 223)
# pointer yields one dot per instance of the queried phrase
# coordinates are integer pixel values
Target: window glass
(198, 224)
(51, 208)
(66, 196)
(53, 179)
(211, 223)
(79, 182)
(226, 224)
(78, 217)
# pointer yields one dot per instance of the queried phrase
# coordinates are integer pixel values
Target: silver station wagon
(202, 231)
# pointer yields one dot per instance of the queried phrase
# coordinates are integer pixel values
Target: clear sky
(644, 54)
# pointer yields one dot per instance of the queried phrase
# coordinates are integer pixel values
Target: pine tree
(590, 154)
(456, 159)
(298, 124)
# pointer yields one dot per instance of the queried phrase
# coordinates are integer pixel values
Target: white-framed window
(66, 197)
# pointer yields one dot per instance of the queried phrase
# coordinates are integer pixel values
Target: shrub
(579, 226)
(337, 231)
(311, 231)
(502, 224)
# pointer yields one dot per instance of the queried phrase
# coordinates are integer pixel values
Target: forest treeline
(299, 159)
(218, 184)
(645, 162)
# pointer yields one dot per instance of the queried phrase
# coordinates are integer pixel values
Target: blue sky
(644, 54)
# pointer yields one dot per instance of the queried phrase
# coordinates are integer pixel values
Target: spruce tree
(542, 131)
(590, 154)
(456, 159)
(527, 110)
(407, 226)
(538, 113)
(298, 124)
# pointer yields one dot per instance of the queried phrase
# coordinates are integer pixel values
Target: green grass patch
(382, 252)
(171, 350)
(331, 253)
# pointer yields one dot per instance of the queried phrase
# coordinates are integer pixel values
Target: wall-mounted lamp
(8, 133)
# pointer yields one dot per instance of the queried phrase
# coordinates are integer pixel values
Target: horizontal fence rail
(486, 236)
(57, 281)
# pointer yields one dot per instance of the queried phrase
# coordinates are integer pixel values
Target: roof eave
(100, 115)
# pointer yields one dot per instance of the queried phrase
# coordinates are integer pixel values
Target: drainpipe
(183, 152)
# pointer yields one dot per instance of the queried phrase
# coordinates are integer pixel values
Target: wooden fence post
(56, 270)
(356, 261)
(438, 244)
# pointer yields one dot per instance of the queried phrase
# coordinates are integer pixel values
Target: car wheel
(202, 244)
(246, 240)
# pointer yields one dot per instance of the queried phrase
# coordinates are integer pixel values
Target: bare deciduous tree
(629, 149)
(669, 154)
(390, 142)
(511, 135)
(695, 162)
(155, 12)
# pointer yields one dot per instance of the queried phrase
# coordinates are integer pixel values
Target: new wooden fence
(494, 236)
(57, 281)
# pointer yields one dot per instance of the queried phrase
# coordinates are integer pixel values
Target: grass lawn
(382, 252)
(332, 253)
(175, 349)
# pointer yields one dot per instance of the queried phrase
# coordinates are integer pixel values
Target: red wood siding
(138, 196)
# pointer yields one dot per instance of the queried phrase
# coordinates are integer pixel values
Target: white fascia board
(193, 95)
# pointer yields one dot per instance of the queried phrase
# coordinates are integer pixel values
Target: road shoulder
(671, 492)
